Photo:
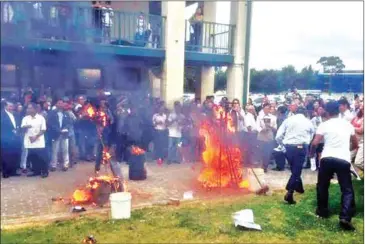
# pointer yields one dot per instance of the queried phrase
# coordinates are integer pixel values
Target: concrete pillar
(206, 86)
(173, 67)
(235, 71)
(155, 84)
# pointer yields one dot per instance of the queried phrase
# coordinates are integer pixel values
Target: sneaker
(64, 169)
(346, 225)
(52, 169)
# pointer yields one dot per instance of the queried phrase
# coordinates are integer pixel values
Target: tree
(331, 64)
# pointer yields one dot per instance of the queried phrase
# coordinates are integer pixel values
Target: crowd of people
(68, 134)
(41, 134)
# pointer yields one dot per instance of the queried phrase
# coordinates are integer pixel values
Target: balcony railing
(209, 37)
(69, 22)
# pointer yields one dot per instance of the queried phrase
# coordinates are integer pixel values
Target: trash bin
(137, 170)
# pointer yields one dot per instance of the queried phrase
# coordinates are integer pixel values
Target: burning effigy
(98, 188)
(222, 157)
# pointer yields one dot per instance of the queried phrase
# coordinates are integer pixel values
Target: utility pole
(246, 71)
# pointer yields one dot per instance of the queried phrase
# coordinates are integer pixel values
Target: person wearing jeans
(339, 137)
(175, 122)
(295, 133)
(59, 125)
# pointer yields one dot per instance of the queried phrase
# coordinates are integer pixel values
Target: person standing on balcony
(108, 15)
(64, 14)
(196, 22)
(156, 23)
(97, 20)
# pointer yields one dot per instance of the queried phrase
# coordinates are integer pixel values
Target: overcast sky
(299, 33)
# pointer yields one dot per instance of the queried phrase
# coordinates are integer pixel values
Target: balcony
(67, 26)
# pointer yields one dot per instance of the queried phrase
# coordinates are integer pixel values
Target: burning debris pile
(222, 156)
(98, 189)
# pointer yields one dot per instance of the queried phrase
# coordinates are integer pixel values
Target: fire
(86, 195)
(221, 158)
(81, 196)
(106, 156)
(102, 117)
(90, 111)
(137, 150)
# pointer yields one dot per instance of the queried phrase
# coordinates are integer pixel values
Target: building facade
(121, 46)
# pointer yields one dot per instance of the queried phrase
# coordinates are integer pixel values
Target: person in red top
(358, 123)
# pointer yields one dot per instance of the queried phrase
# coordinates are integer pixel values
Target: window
(127, 79)
(8, 77)
(49, 76)
(88, 78)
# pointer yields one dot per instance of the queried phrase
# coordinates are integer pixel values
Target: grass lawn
(208, 221)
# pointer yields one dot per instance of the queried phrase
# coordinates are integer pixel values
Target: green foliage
(331, 64)
(209, 221)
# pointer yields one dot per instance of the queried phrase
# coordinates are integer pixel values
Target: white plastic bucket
(120, 203)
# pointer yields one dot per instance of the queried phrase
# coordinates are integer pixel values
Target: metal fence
(209, 37)
(70, 22)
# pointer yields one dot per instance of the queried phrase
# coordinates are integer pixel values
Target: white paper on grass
(244, 218)
(188, 195)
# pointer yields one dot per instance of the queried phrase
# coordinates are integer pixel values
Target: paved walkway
(24, 197)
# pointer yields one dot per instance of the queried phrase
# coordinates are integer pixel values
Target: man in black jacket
(58, 124)
(10, 141)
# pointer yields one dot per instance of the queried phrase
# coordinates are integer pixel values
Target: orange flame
(222, 161)
(90, 111)
(106, 156)
(85, 195)
(81, 196)
(102, 118)
(137, 150)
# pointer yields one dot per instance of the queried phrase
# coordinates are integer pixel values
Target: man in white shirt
(175, 122)
(344, 108)
(338, 135)
(295, 134)
(266, 127)
(35, 126)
